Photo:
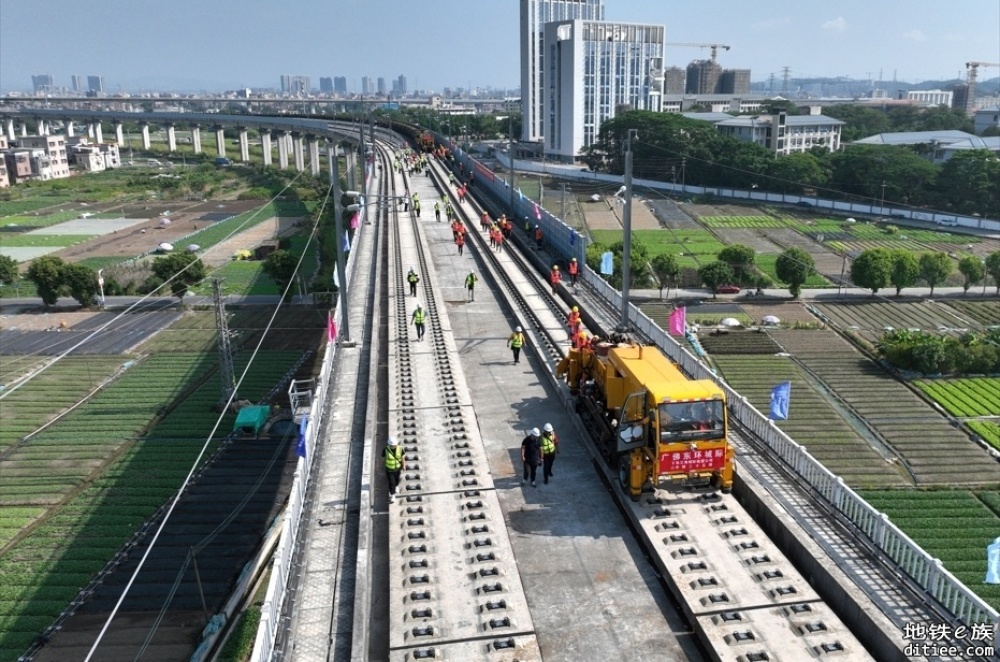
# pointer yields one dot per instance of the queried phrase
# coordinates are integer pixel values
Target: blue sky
(224, 44)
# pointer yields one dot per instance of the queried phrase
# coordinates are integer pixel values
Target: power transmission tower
(770, 85)
(785, 73)
(227, 375)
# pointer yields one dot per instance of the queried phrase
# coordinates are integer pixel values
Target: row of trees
(878, 268)
(932, 354)
(873, 269)
(674, 148)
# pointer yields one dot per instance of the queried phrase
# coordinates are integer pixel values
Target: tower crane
(973, 68)
(715, 47)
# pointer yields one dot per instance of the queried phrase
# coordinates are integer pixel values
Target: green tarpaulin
(250, 420)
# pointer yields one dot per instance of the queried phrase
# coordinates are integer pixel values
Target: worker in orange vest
(538, 238)
(554, 277)
(574, 317)
(574, 271)
(484, 222)
(460, 242)
(455, 228)
(580, 340)
(499, 240)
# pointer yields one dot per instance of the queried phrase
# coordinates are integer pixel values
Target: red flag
(331, 327)
(678, 321)
(355, 220)
(538, 212)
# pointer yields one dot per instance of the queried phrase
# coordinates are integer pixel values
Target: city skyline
(232, 45)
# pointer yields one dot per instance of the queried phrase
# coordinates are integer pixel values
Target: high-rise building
(534, 15)
(673, 80)
(703, 77)
(326, 84)
(382, 89)
(299, 85)
(77, 83)
(340, 84)
(42, 82)
(95, 83)
(734, 81)
(366, 85)
(400, 85)
(593, 72)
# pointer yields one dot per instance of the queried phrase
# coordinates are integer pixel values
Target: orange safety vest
(554, 276)
(460, 239)
(573, 268)
(574, 318)
(538, 234)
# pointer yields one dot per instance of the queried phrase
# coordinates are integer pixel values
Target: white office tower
(534, 15)
(593, 72)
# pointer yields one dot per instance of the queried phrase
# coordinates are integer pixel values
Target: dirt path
(272, 228)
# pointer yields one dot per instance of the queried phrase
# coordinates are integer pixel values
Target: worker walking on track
(550, 446)
(394, 462)
(412, 278)
(437, 211)
(574, 317)
(516, 342)
(460, 242)
(418, 319)
(531, 455)
(554, 278)
(574, 271)
(538, 238)
(470, 285)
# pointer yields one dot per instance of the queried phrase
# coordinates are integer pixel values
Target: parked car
(728, 289)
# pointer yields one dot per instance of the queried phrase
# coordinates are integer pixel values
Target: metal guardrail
(896, 547)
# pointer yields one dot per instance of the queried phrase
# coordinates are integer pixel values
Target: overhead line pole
(627, 227)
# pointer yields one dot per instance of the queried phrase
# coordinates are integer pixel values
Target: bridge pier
(300, 163)
(220, 140)
(119, 134)
(196, 139)
(171, 138)
(244, 145)
(313, 155)
(283, 150)
(145, 135)
(42, 129)
(9, 129)
(70, 129)
(265, 141)
(98, 133)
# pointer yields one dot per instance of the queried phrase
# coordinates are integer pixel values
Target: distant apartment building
(49, 157)
(673, 80)
(931, 97)
(381, 86)
(734, 81)
(715, 103)
(399, 86)
(702, 77)
(18, 164)
(326, 85)
(42, 83)
(340, 84)
(595, 70)
(535, 14)
(779, 133)
(366, 85)
(93, 157)
(77, 82)
(95, 84)
(985, 118)
(295, 85)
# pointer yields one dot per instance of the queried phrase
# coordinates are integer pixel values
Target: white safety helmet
(548, 427)
(518, 329)
(535, 432)
(393, 442)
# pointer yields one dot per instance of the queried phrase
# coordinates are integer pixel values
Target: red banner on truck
(685, 461)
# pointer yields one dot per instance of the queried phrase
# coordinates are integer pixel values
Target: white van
(949, 221)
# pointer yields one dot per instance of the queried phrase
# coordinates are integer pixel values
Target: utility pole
(338, 223)
(510, 153)
(227, 374)
(627, 227)
(562, 204)
(364, 165)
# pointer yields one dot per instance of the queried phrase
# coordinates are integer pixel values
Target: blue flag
(780, 397)
(300, 447)
(607, 263)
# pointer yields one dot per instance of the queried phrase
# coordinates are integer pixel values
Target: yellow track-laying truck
(649, 420)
